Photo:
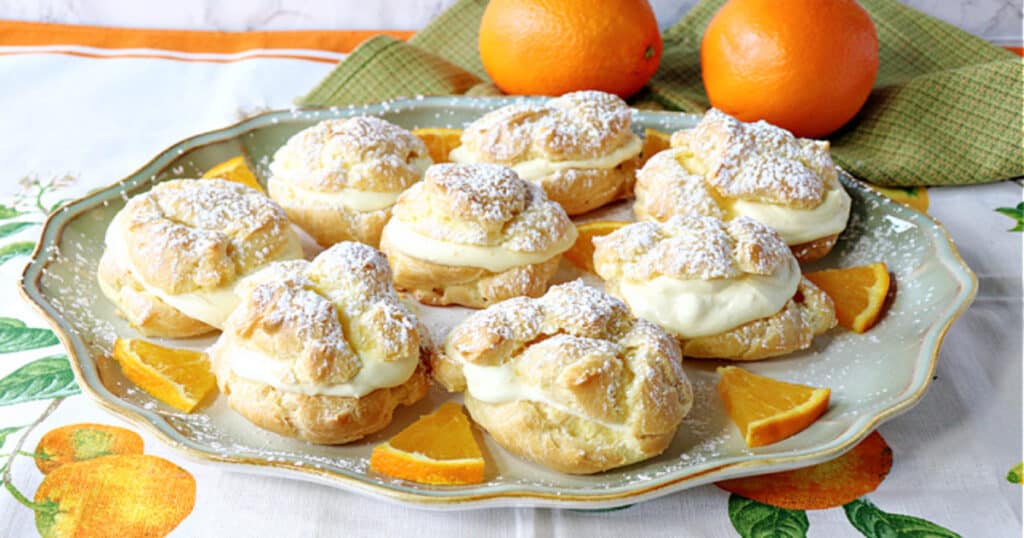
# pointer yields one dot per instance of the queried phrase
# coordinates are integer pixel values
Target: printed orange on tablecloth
(81, 442)
(141, 496)
(826, 485)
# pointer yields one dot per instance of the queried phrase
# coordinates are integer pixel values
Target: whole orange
(550, 47)
(804, 65)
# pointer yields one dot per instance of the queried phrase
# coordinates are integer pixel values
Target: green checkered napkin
(947, 107)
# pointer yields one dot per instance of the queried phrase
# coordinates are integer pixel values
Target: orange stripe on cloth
(1018, 50)
(27, 34)
(157, 56)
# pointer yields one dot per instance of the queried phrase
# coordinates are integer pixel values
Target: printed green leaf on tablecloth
(1016, 213)
(1016, 474)
(13, 250)
(12, 228)
(752, 519)
(4, 432)
(49, 377)
(8, 212)
(874, 523)
(15, 336)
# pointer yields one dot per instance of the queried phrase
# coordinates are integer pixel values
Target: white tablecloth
(98, 119)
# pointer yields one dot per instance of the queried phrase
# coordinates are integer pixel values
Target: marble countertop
(999, 21)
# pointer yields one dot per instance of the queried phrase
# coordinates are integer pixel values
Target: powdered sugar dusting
(488, 193)
(187, 234)
(482, 204)
(759, 161)
(578, 125)
(664, 188)
(689, 247)
(363, 152)
(326, 316)
(583, 349)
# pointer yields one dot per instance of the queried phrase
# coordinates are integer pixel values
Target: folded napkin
(947, 108)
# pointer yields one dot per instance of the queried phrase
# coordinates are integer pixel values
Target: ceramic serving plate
(873, 376)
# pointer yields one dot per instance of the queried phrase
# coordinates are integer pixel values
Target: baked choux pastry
(322, 350)
(339, 178)
(725, 168)
(570, 380)
(730, 290)
(174, 254)
(578, 147)
(473, 235)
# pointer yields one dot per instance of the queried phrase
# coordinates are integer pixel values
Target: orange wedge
(440, 142)
(858, 293)
(180, 378)
(766, 410)
(915, 197)
(439, 448)
(654, 141)
(234, 170)
(581, 254)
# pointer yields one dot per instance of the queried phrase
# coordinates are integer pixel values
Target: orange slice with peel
(654, 141)
(915, 197)
(581, 254)
(180, 378)
(439, 448)
(236, 171)
(858, 293)
(440, 142)
(767, 410)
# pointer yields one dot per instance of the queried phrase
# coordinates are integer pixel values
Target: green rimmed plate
(873, 376)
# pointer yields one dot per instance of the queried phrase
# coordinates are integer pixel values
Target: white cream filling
(209, 306)
(495, 258)
(797, 226)
(254, 365)
(499, 384)
(535, 169)
(354, 199)
(692, 308)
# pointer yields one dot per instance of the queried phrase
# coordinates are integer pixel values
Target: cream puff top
(478, 215)
(698, 276)
(189, 242)
(579, 130)
(725, 168)
(333, 326)
(362, 163)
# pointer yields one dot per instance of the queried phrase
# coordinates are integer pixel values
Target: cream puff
(578, 147)
(322, 350)
(570, 380)
(174, 254)
(730, 290)
(725, 168)
(473, 235)
(339, 178)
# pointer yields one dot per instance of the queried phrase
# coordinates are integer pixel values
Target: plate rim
(516, 496)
